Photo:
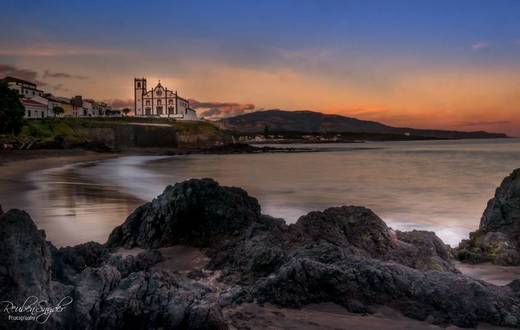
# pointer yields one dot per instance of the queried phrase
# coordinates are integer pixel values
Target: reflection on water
(73, 209)
(441, 186)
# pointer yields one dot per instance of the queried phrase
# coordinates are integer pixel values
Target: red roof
(29, 102)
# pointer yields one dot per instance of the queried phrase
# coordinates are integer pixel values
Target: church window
(147, 102)
(159, 92)
(159, 102)
(159, 110)
(171, 110)
(138, 85)
(170, 102)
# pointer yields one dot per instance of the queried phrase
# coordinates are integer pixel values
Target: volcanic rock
(344, 255)
(498, 238)
(194, 212)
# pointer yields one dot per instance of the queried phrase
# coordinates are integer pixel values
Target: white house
(33, 109)
(61, 102)
(25, 89)
(89, 108)
(160, 102)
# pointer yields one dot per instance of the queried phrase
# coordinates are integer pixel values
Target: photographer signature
(33, 309)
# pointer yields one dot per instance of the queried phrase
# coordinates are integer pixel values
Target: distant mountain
(310, 121)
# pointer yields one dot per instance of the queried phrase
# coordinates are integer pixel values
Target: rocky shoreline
(498, 238)
(238, 257)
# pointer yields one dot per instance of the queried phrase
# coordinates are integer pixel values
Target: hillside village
(158, 102)
(40, 104)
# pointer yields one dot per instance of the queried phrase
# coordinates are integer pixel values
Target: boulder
(502, 213)
(361, 232)
(194, 212)
(441, 298)
(352, 226)
(25, 263)
(498, 238)
(25, 260)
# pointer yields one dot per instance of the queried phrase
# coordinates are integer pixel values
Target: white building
(160, 102)
(89, 108)
(33, 109)
(24, 88)
(56, 101)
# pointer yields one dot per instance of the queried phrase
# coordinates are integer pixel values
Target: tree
(126, 111)
(57, 111)
(266, 130)
(11, 110)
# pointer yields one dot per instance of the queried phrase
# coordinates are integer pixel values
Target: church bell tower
(139, 91)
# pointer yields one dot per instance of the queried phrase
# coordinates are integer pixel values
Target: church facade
(160, 102)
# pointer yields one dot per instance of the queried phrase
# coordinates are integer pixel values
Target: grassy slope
(49, 128)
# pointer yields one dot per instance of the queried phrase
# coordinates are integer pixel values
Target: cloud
(46, 50)
(367, 113)
(217, 110)
(480, 45)
(25, 74)
(9, 70)
(60, 88)
(120, 103)
(49, 74)
(484, 123)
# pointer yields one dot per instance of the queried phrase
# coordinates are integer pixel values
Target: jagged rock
(361, 232)
(345, 255)
(503, 211)
(69, 261)
(130, 264)
(262, 248)
(425, 251)
(351, 226)
(90, 290)
(357, 283)
(498, 238)
(194, 212)
(25, 263)
(25, 260)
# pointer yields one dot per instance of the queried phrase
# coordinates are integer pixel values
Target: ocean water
(442, 186)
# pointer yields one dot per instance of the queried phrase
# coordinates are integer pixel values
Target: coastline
(319, 316)
(15, 165)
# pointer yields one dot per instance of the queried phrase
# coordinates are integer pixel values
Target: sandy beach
(16, 164)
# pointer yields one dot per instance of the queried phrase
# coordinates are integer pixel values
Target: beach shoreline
(16, 165)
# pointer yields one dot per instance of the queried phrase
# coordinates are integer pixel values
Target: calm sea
(441, 186)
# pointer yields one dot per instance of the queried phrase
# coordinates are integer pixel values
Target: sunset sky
(451, 64)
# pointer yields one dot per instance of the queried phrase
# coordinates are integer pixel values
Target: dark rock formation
(101, 291)
(25, 259)
(345, 255)
(438, 297)
(498, 238)
(25, 263)
(364, 233)
(503, 210)
(197, 212)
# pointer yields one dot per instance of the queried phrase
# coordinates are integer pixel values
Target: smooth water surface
(434, 185)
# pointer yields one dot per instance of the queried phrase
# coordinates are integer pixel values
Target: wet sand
(324, 316)
(17, 164)
(497, 275)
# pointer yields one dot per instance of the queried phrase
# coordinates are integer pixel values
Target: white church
(160, 102)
